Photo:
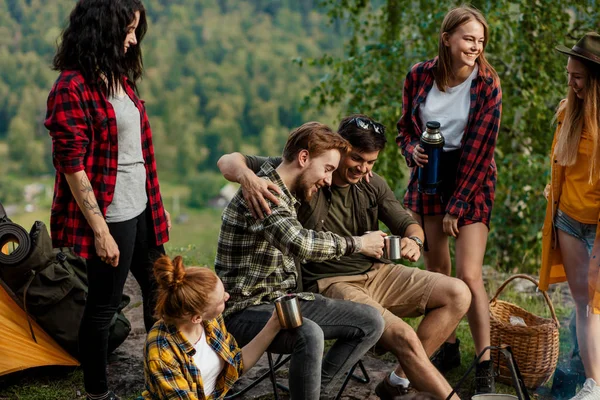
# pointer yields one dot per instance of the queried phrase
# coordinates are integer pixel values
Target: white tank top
(209, 363)
(450, 109)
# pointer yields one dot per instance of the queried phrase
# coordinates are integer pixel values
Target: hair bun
(169, 274)
(178, 272)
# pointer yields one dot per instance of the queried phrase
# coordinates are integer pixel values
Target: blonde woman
(571, 239)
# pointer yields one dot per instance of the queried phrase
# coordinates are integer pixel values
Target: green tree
(387, 40)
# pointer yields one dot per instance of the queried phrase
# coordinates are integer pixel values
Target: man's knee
(452, 292)
(459, 295)
(371, 321)
(310, 337)
(404, 340)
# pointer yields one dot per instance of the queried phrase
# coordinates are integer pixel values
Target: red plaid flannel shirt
(83, 128)
(473, 197)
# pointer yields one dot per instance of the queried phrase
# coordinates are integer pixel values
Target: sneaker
(447, 357)
(484, 377)
(386, 391)
(111, 396)
(589, 391)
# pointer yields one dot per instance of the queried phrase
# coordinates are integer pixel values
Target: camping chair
(283, 359)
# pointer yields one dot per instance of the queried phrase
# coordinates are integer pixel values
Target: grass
(195, 240)
(194, 236)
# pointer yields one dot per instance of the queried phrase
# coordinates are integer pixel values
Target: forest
(218, 77)
(225, 75)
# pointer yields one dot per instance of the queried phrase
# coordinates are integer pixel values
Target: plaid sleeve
(168, 382)
(67, 123)
(478, 151)
(283, 230)
(407, 138)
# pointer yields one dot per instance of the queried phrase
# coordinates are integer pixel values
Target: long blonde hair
(578, 114)
(455, 18)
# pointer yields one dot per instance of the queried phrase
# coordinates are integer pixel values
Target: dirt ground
(127, 379)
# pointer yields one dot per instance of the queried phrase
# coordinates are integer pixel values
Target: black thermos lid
(432, 125)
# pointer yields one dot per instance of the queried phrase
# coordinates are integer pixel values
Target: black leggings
(138, 253)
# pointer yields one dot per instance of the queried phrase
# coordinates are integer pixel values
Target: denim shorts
(584, 232)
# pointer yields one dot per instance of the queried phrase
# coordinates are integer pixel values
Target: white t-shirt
(209, 363)
(450, 109)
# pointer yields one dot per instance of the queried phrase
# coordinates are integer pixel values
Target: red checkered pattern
(83, 128)
(473, 197)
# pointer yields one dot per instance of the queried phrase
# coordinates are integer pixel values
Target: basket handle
(536, 283)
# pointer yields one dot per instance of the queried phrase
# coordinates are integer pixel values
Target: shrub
(515, 239)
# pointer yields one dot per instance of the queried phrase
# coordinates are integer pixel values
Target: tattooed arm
(106, 247)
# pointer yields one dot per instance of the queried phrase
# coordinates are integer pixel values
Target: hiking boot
(111, 396)
(447, 357)
(589, 391)
(484, 377)
(386, 391)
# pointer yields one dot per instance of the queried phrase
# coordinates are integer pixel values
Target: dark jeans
(138, 253)
(357, 327)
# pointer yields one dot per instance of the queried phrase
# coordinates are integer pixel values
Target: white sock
(398, 381)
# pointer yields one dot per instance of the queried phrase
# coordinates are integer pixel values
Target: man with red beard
(354, 204)
(256, 260)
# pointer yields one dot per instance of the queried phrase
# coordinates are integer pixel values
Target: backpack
(52, 285)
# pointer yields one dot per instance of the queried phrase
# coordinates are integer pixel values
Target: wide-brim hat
(588, 48)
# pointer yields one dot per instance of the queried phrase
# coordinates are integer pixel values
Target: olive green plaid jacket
(256, 258)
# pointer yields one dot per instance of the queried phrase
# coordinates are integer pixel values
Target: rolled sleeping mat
(11, 235)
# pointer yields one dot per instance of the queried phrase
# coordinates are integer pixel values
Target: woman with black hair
(107, 204)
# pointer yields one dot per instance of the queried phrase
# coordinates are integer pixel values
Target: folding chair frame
(283, 359)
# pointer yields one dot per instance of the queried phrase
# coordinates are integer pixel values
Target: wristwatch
(418, 241)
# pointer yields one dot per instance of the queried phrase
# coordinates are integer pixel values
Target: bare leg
(448, 303)
(470, 249)
(437, 258)
(404, 343)
(576, 262)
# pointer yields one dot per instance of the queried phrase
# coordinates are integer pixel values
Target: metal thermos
(432, 142)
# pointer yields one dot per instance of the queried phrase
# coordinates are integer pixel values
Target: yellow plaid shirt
(169, 368)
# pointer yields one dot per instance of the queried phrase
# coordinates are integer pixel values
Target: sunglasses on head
(365, 123)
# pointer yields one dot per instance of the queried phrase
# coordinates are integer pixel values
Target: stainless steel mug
(288, 311)
(392, 248)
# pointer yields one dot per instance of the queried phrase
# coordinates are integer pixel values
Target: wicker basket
(535, 346)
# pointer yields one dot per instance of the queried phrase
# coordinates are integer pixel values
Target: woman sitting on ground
(188, 353)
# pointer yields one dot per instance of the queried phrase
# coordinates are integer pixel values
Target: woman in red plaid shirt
(107, 202)
(461, 90)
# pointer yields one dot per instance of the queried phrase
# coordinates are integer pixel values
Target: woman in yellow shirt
(189, 354)
(571, 234)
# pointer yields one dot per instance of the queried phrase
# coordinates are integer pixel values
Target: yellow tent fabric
(18, 351)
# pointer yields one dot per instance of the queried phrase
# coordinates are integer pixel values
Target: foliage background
(237, 75)
(388, 37)
(225, 75)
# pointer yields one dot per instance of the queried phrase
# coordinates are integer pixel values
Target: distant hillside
(219, 77)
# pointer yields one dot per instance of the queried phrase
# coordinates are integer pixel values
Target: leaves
(387, 39)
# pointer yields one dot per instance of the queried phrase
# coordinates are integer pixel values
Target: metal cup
(288, 311)
(392, 248)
